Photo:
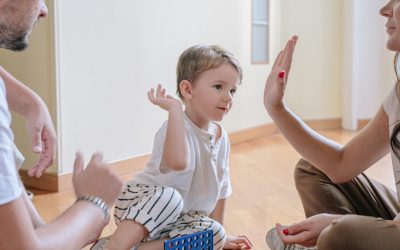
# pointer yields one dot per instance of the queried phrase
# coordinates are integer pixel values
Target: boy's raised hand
(162, 99)
(276, 81)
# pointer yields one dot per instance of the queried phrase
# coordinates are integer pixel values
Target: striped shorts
(159, 210)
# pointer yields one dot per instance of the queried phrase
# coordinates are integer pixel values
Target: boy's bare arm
(219, 211)
(175, 154)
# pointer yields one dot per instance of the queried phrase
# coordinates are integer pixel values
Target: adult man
(21, 226)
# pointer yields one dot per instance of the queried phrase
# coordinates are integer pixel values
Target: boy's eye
(233, 91)
(218, 86)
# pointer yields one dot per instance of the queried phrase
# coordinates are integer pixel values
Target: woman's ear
(186, 89)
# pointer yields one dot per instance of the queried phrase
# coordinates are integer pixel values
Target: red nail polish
(286, 231)
(282, 74)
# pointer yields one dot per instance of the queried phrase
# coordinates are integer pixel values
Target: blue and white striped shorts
(159, 209)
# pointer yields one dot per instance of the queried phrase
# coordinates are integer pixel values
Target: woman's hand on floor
(306, 232)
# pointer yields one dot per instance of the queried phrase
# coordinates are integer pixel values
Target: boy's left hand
(237, 242)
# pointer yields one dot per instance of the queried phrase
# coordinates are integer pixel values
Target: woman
(344, 208)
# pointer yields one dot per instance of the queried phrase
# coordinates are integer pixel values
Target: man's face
(17, 18)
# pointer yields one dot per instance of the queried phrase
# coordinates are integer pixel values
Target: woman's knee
(333, 236)
(349, 232)
(305, 173)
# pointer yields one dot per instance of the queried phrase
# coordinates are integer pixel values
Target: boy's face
(17, 18)
(213, 92)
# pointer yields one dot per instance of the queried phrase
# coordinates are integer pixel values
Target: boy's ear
(186, 89)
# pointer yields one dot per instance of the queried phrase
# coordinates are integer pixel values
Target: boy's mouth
(223, 109)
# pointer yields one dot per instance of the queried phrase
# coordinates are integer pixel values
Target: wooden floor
(263, 187)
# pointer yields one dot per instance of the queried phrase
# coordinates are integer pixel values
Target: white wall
(109, 57)
(314, 90)
(109, 53)
(367, 65)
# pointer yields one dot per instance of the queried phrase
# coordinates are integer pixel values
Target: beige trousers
(369, 207)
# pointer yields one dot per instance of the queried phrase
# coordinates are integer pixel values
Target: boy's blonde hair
(199, 58)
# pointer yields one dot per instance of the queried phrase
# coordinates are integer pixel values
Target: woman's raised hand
(276, 81)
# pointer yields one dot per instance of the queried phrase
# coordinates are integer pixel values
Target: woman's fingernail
(281, 74)
(286, 231)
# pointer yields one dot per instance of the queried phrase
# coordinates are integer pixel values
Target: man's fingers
(96, 160)
(44, 163)
(32, 171)
(78, 163)
(37, 139)
(47, 156)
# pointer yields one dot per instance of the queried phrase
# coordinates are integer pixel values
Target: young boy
(184, 186)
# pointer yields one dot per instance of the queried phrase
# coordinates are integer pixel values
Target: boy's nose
(227, 98)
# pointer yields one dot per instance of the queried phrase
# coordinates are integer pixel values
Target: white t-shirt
(391, 106)
(10, 158)
(206, 178)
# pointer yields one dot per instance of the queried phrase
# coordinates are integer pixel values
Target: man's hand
(43, 136)
(96, 179)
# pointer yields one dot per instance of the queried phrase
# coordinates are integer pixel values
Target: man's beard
(12, 39)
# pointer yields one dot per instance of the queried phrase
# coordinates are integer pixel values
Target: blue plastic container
(197, 241)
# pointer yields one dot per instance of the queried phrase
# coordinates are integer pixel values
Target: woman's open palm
(276, 81)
